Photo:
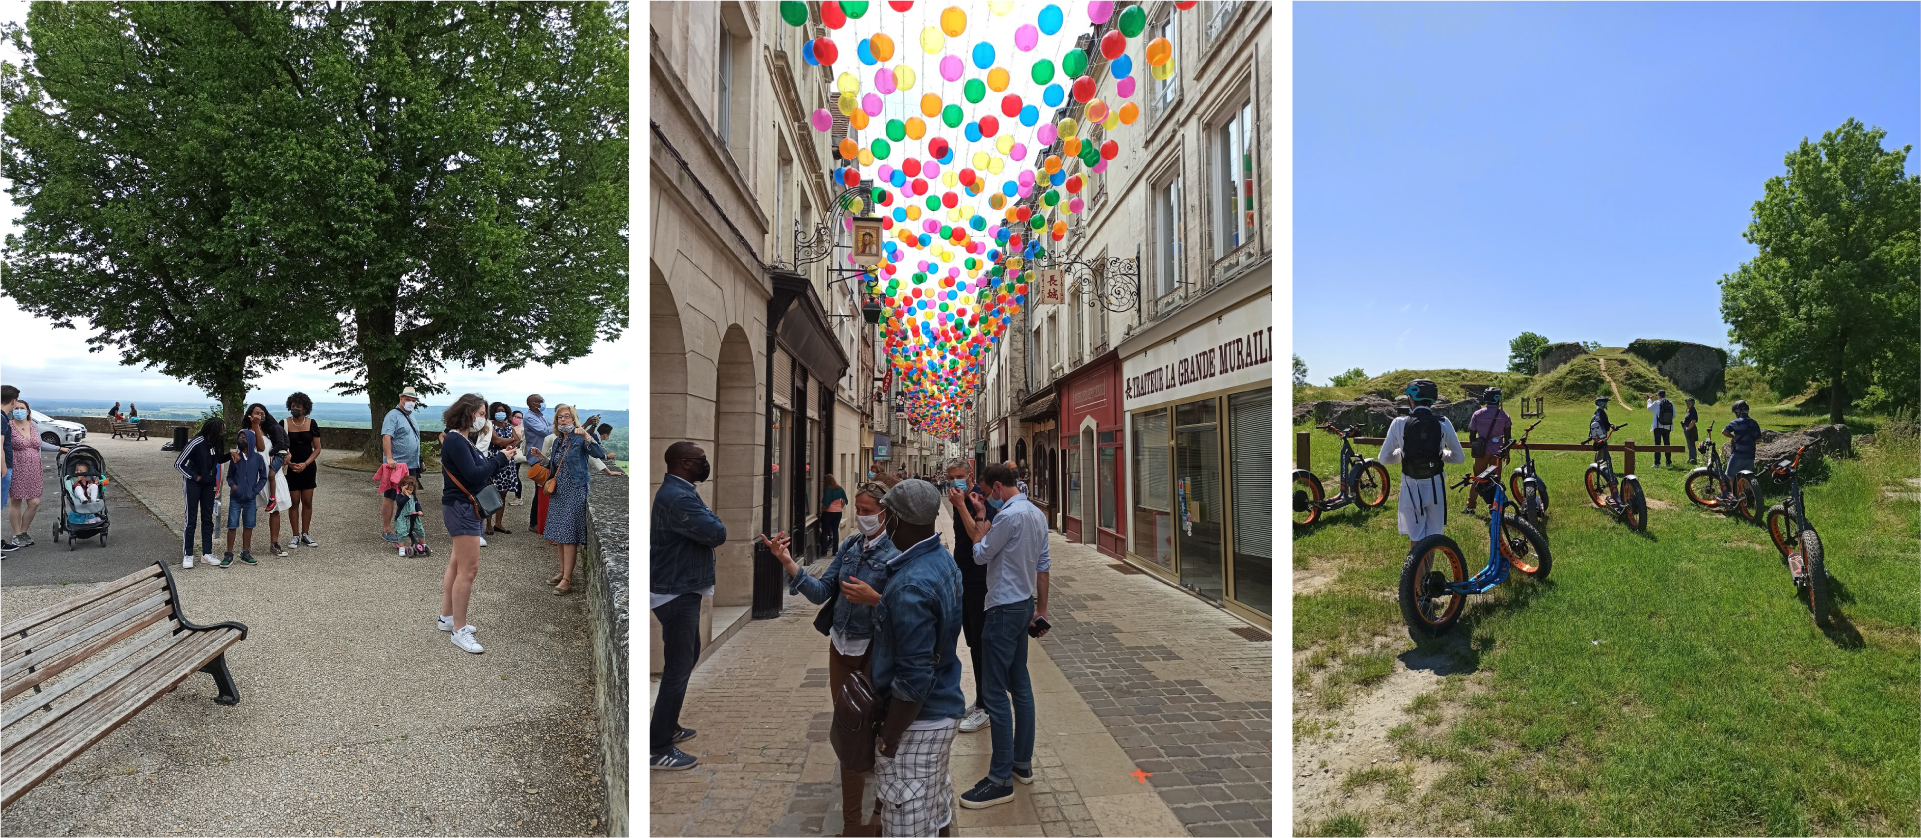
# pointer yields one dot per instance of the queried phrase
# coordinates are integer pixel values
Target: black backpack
(1421, 444)
(1667, 412)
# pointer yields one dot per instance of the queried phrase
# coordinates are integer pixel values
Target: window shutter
(783, 379)
(1251, 425)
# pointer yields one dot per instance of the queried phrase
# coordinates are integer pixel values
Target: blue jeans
(1004, 633)
(241, 512)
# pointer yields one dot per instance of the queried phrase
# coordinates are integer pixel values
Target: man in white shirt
(1422, 442)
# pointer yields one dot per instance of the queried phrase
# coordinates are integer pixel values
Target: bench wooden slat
(29, 762)
(148, 647)
(75, 648)
(52, 629)
(21, 625)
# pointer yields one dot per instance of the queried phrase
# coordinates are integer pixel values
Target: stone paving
(1136, 676)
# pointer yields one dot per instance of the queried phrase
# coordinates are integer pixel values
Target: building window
(1153, 490)
(1073, 481)
(1168, 236)
(1250, 421)
(1097, 304)
(1223, 12)
(1198, 524)
(1080, 323)
(1109, 477)
(1234, 184)
(723, 114)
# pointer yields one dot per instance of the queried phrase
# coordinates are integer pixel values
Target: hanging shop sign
(867, 242)
(883, 448)
(1233, 349)
(1052, 284)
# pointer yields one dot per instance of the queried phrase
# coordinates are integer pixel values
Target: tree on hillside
(147, 146)
(1522, 350)
(1353, 376)
(1831, 295)
(1591, 345)
(1300, 372)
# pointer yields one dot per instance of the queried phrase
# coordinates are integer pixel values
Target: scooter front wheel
(1703, 489)
(1747, 498)
(1307, 497)
(1817, 571)
(1428, 606)
(1596, 487)
(1634, 505)
(1371, 487)
(1782, 529)
(1525, 548)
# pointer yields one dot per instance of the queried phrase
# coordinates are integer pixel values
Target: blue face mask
(993, 503)
(500, 417)
(961, 485)
(19, 413)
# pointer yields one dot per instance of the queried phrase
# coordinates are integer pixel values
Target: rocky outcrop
(1554, 355)
(1373, 414)
(1701, 370)
(1474, 391)
(1825, 441)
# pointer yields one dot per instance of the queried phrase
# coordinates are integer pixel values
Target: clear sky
(1467, 171)
(54, 363)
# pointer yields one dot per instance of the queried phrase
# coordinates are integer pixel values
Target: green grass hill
(1582, 379)
(1387, 385)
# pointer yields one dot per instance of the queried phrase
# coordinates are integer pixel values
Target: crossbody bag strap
(462, 486)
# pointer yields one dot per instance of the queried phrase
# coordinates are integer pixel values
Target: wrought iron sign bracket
(1117, 286)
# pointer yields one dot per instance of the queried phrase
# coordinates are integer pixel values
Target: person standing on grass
(199, 467)
(400, 443)
(1422, 442)
(681, 563)
(1691, 425)
(535, 426)
(303, 467)
(1013, 548)
(271, 439)
(566, 527)
(505, 436)
(1486, 430)
(1662, 426)
(464, 473)
(859, 569)
(973, 585)
(246, 478)
(915, 665)
(520, 428)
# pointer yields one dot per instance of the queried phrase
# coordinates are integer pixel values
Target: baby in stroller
(83, 492)
(83, 504)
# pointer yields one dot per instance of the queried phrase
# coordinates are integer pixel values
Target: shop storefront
(1203, 517)
(1038, 419)
(1093, 466)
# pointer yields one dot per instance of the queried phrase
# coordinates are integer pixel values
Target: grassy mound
(1390, 384)
(1576, 380)
(1581, 379)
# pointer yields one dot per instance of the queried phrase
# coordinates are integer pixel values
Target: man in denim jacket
(916, 633)
(681, 557)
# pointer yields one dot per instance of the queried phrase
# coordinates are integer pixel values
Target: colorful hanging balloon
(953, 21)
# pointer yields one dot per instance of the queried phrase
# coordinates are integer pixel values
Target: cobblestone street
(1136, 676)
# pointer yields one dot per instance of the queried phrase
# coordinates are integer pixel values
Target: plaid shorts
(914, 784)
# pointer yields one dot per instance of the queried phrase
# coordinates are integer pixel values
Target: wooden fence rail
(1303, 444)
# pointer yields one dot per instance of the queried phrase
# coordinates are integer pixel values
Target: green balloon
(879, 195)
(1074, 63)
(856, 9)
(1037, 223)
(952, 116)
(896, 130)
(881, 149)
(1050, 197)
(1043, 71)
(933, 202)
(794, 12)
(975, 91)
(946, 231)
(1133, 20)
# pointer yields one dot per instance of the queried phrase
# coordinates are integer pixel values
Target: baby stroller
(82, 518)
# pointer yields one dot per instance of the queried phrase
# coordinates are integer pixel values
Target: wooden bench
(128, 429)
(121, 646)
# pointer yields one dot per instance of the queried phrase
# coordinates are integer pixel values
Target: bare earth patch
(1313, 580)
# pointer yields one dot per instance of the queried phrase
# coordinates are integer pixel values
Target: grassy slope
(1711, 704)
(1391, 384)
(1581, 379)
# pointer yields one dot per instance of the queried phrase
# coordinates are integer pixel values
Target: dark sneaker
(671, 760)
(247, 556)
(685, 734)
(227, 559)
(1025, 775)
(277, 550)
(986, 793)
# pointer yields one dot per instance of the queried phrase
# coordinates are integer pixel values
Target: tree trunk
(232, 393)
(1837, 396)
(385, 377)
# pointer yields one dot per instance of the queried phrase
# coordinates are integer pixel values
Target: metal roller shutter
(1251, 426)
(783, 379)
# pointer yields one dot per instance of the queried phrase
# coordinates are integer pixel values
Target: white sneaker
(483, 541)
(464, 638)
(403, 551)
(186, 561)
(976, 719)
(445, 623)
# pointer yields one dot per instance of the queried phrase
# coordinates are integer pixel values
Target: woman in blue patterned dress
(567, 449)
(506, 437)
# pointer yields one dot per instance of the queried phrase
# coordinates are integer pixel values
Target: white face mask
(480, 422)
(406, 407)
(564, 428)
(869, 525)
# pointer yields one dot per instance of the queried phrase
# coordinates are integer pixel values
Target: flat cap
(913, 501)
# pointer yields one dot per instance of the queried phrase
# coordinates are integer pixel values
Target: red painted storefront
(1092, 454)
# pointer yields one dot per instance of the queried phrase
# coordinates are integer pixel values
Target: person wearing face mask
(861, 562)
(400, 443)
(519, 484)
(973, 586)
(567, 452)
(680, 556)
(534, 427)
(303, 458)
(8, 394)
(464, 473)
(506, 436)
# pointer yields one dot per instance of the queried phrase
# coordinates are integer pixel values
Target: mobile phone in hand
(1040, 625)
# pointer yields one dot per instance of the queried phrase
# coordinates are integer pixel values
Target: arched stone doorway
(667, 364)
(739, 440)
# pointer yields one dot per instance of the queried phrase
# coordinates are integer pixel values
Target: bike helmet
(1601, 402)
(1422, 391)
(1491, 396)
(1740, 407)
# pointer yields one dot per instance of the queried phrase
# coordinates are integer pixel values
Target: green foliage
(1300, 371)
(1744, 381)
(1830, 296)
(1524, 352)
(1448, 381)
(1349, 378)
(1591, 345)
(1576, 380)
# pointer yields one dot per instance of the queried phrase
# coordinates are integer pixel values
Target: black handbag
(824, 618)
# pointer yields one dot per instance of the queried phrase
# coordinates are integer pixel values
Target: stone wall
(1374, 414)
(1824, 441)
(605, 560)
(1695, 368)
(1554, 355)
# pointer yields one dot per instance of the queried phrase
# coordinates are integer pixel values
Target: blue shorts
(460, 518)
(240, 512)
(6, 488)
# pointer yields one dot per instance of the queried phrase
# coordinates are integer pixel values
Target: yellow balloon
(996, 201)
(903, 77)
(1113, 121)
(1004, 143)
(866, 157)
(980, 159)
(994, 166)
(949, 179)
(847, 84)
(932, 41)
(1015, 261)
(858, 119)
(1163, 72)
(916, 128)
(953, 21)
(846, 104)
(997, 79)
(1000, 8)
(1068, 127)
(1096, 110)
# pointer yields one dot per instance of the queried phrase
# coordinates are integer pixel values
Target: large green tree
(1523, 352)
(147, 146)
(1831, 296)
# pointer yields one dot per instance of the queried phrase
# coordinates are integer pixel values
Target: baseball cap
(913, 501)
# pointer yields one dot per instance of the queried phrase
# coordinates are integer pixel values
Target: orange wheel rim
(1454, 603)
(1507, 550)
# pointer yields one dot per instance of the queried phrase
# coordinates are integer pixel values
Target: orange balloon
(1060, 230)
(917, 129)
(1072, 147)
(849, 149)
(881, 46)
(953, 21)
(997, 79)
(1129, 113)
(930, 105)
(1052, 165)
(1158, 52)
(858, 120)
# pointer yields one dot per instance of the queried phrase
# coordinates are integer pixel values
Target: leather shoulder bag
(487, 502)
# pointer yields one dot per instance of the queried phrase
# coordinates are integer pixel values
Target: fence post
(1302, 441)
(1627, 458)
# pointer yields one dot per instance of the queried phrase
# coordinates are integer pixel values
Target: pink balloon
(1099, 11)
(951, 68)
(1075, 205)
(871, 103)
(1027, 189)
(1027, 178)
(884, 80)
(1027, 37)
(1125, 88)
(930, 170)
(930, 226)
(1018, 152)
(822, 120)
(1047, 134)
(1101, 167)
(886, 171)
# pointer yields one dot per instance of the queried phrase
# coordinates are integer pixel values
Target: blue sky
(1467, 171)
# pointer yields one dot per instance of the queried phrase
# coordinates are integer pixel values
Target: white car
(59, 431)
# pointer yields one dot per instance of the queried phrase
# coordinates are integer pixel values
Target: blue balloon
(807, 54)
(983, 55)
(978, 223)
(1050, 21)
(900, 215)
(899, 179)
(866, 53)
(926, 240)
(1057, 178)
(1010, 188)
(1054, 95)
(1030, 115)
(973, 132)
(1122, 66)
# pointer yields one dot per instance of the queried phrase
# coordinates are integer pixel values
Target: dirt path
(1611, 385)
